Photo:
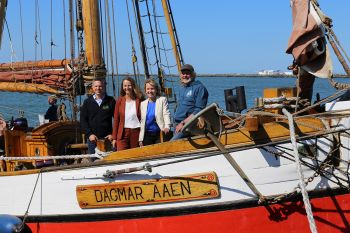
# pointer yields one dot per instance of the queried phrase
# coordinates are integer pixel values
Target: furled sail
(52, 76)
(307, 42)
(3, 5)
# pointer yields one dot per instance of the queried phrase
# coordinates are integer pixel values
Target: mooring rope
(302, 186)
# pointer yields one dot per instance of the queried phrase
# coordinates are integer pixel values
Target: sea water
(32, 105)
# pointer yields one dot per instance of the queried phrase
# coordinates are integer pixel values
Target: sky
(216, 37)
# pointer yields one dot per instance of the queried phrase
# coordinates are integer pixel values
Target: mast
(171, 30)
(92, 37)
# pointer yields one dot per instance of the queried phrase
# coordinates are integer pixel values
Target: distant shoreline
(262, 76)
(236, 75)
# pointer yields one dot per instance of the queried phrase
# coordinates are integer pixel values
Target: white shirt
(131, 120)
(98, 101)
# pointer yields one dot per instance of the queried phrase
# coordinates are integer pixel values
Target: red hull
(332, 214)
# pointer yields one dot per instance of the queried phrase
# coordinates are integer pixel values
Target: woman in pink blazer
(126, 123)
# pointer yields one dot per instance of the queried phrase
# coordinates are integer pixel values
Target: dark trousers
(151, 138)
(130, 139)
(91, 147)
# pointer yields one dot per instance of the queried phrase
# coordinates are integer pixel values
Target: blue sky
(222, 36)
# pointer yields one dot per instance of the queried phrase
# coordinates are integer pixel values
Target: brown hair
(154, 84)
(102, 80)
(137, 94)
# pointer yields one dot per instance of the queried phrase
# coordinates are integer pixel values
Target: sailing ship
(266, 170)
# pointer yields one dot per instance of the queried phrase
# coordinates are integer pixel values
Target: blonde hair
(154, 84)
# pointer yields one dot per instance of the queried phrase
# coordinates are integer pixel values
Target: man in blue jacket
(192, 98)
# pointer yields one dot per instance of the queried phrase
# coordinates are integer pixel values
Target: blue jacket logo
(189, 93)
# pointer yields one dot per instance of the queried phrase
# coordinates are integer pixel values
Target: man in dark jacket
(192, 98)
(96, 115)
(51, 113)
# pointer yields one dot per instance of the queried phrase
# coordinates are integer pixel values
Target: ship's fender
(9, 223)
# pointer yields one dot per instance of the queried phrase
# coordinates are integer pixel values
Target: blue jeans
(179, 135)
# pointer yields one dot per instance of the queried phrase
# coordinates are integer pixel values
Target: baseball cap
(187, 67)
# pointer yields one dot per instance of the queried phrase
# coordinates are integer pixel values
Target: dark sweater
(51, 113)
(96, 119)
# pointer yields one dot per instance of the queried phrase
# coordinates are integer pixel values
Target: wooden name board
(144, 192)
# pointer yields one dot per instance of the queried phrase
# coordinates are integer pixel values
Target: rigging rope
(21, 21)
(305, 195)
(140, 32)
(80, 42)
(152, 36)
(331, 32)
(13, 54)
(116, 54)
(102, 32)
(58, 157)
(72, 102)
(325, 100)
(110, 44)
(157, 33)
(133, 51)
(21, 226)
(327, 23)
(51, 30)
(38, 28)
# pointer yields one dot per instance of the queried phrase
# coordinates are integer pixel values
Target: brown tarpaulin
(307, 33)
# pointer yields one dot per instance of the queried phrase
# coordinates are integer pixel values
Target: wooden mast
(92, 37)
(171, 33)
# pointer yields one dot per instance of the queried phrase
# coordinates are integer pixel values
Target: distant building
(273, 72)
(289, 73)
